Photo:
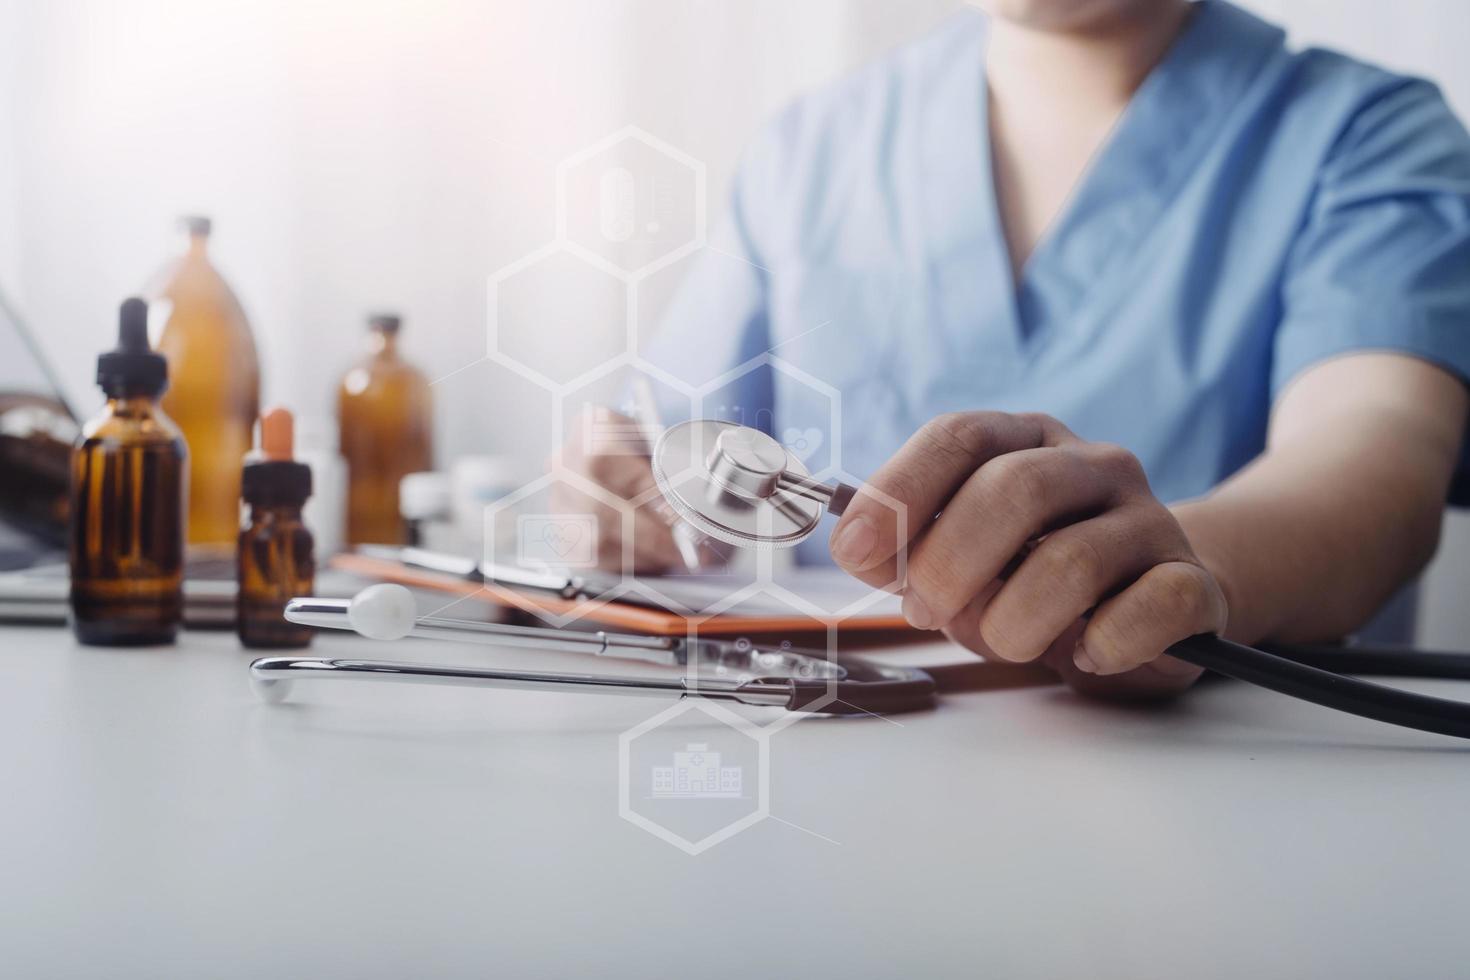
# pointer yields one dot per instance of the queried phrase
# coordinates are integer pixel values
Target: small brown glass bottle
(275, 552)
(384, 412)
(129, 474)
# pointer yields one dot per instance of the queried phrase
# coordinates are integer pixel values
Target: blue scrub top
(1255, 210)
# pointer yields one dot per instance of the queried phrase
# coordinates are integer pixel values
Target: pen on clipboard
(686, 538)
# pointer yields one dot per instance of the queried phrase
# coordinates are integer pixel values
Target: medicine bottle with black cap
(275, 554)
(129, 474)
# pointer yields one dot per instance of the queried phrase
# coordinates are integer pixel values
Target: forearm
(1306, 549)
(1344, 507)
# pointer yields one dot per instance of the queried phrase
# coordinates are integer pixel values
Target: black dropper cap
(275, 483)
(133, 368)
(388, 323)
(276, 480)
(197, 225)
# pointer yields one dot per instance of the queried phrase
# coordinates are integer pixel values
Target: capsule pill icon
(618, 200)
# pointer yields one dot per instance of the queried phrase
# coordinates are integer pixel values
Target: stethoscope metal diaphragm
(739, 485)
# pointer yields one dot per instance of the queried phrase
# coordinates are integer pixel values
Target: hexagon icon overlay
(553, 317)
(630, 203)
(554, 525)
(557, 524)
(742, 659)
(670, 777)
(695, 774)
(619, 408)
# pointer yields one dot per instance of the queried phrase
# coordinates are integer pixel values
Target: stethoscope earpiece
(382, 612)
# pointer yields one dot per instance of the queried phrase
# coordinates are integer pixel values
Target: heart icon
(561, 537)
(803, 443)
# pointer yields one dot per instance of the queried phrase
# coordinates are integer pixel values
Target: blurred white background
(363, 154)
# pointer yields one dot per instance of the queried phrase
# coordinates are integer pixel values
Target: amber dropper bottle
(275, 555)
(129, 472)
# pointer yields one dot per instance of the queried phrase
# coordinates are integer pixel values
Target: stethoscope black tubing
(1295, 673)
(1375, 661)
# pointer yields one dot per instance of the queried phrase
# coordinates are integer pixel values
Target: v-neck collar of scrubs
(1161, 134)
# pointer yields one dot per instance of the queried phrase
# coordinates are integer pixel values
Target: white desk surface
(156, 820)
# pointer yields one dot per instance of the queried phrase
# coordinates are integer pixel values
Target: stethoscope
(740, 485)
(714, 669)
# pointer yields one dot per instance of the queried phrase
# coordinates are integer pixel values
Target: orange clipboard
(622, 615)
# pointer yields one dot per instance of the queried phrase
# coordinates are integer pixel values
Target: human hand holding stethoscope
(1023, 542)
(942, 522)
(1015, 537)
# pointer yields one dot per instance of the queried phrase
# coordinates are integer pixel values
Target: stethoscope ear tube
(1281, 672)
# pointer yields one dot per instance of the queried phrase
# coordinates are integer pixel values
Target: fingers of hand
(1155, 680)
(964, 496)
(906, 492)
(964, 627)
(1009, 501)
(1071, 570)
(1170, 602)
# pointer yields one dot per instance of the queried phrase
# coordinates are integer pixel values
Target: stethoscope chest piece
(740, 485)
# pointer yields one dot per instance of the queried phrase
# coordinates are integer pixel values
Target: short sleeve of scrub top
(1255, 211)
(1382, 261)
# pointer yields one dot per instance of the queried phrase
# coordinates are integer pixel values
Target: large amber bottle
(386, 420)
(215, 391)
(128, 493)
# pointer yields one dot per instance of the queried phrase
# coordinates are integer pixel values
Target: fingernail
(1083, 661)
(916, 612)
(854, 542)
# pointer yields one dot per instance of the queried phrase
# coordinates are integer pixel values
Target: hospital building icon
(696, 774)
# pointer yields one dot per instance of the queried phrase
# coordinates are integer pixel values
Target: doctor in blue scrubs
(1131, 281)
